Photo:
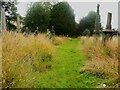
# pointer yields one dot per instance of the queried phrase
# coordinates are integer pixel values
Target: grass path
(65, 72)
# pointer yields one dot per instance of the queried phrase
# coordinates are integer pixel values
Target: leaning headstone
(108, 32)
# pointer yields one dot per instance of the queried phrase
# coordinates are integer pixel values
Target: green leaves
(87, 22)
(38, 16)
(10, 9)
(63, 19)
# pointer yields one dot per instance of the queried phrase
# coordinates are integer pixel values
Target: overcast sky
(82, 8)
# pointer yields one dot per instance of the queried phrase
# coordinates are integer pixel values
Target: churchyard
(33, 58)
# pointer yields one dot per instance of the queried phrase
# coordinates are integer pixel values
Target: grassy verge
(65, 72)
(102, 60)
(38, 62)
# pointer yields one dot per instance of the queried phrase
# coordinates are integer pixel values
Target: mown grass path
(65, 72)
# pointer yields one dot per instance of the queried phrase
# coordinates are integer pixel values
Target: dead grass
(0, 60)
(102, 60)
(22, 56)
(57, 40)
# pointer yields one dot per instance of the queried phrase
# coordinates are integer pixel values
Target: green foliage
(63, 19)
(12, 26)
(87, 22)
(10, 9)
(86, 32)
(38, 16)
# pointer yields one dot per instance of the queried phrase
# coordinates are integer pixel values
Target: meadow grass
(57, 40)
(65, 73)
(32, 62)
(23, 56)
(102, 60)
(61, 62)
(0, 61)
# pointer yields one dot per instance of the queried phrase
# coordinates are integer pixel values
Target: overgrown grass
(22, 57)
(0, 61)
(30, 62)
(65, 72)
(57, 40)
(102, 60)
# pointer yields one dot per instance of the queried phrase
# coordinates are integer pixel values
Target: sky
(81, 9)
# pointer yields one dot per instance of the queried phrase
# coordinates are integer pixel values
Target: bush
(63, 19)
(86, 32)
(38, 17)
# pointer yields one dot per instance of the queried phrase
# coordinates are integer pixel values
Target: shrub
(86, 32)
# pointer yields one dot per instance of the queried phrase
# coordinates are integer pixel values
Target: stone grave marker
(108, 32)
(18, 23)
(3, 20)
(97, 23)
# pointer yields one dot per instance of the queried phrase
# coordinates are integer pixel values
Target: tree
(63, 19)
(11, 12)
(82, 26)
(38, 16)
(87, 22)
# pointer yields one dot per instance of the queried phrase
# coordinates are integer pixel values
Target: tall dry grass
(0, 60)
(57, 40)
(102, 61)
(23, 56)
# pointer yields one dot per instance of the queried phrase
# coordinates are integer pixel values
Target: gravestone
(0, 21)
(0, 16)
(108, 32)
(36, 32)
(3, 20)
(18, 22)
(48, 34)
(97, 23)
(53, 31)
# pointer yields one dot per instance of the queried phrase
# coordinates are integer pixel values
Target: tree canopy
(87, 22)
(38, 16)
(11, 12)
(63, 19)
(60, 17)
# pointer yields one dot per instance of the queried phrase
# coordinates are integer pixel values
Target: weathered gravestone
(18, 23)
(50, 33)
(0, 22)
(97, 23)
(108, 32)
(53, 31)
(3, 20)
